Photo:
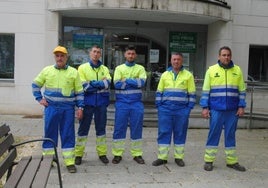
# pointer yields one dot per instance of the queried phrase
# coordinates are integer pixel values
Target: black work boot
(180, 162)
(208, 166)
(159, 162)
(78, 160)
(237, 167)
(104, 159)
(139, 160)
(116, 159)
(71, 169)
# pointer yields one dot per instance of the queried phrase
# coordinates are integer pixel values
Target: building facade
(30, 29)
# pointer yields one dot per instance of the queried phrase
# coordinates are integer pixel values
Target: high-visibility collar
(94, 65)
(230, 65)
(65, 67)
(130, 64)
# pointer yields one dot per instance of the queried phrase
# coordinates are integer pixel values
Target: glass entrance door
(114, 56)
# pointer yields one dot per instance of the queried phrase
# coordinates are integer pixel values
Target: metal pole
(251, 107)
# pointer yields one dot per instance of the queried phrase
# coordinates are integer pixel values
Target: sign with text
(82, 41)
(154, 55)
(184, 42)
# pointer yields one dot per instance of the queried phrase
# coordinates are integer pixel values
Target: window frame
(7, 57)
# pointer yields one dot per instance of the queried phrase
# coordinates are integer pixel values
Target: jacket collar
(171, 69)
(65, 67)
(95, 66)
(230, 65)
(130, 64)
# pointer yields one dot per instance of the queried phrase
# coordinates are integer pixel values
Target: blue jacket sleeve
(36, 90)
(102, 84)
(135, 83)
(158, 99)
(192, 100)
(120, 85)
(88, 88)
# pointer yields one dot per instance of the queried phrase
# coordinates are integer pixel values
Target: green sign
(84, 41)
(184, 42)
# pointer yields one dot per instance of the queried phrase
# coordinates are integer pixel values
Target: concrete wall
(219, 34)
(36, 34)
(248, 26)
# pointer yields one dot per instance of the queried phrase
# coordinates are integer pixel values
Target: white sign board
(154, 55)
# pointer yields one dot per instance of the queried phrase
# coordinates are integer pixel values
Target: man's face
(225, 57)
(95, 54)
(60, 59)
(130, 55)
(176, 62)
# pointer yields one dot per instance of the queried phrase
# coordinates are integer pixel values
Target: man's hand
(79, 114)
(240, 112)
(205, 113)
(43, 102)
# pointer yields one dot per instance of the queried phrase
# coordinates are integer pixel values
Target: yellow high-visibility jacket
(62, 87)
(223, 88)
(176, 92)
(96, 82)
(129, 79)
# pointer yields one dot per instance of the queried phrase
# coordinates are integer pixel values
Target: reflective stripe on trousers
(118, 147)
(68, 156)
(231, 157)
(80, 145)
(136, 147)
(81, 141)
(163, 151)
(179, 151)
(210, 154)
(101, 146)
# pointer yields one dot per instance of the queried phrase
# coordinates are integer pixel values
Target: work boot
(78, 160)
(116, 159)
(104, 159)
(139, 159)
(159, 162)
(237, 167)
(71, 169)
(208, 166)
(179, 162)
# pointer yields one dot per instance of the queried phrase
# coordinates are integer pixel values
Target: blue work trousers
(176, 123)
(219, 120)
(100, 119)
(128, 114)
(59, 120)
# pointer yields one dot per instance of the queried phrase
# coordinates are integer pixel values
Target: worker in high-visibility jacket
(175, 97)
(62, 92)
(129, 79)
(223, 101)
(96, 81)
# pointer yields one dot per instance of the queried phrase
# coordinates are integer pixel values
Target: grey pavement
(252, 149)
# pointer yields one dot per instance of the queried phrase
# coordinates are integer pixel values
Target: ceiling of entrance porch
(144, 15)
(171, 11)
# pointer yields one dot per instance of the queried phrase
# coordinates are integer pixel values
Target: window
(79, 40)
(7, 46)
(258, 63)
